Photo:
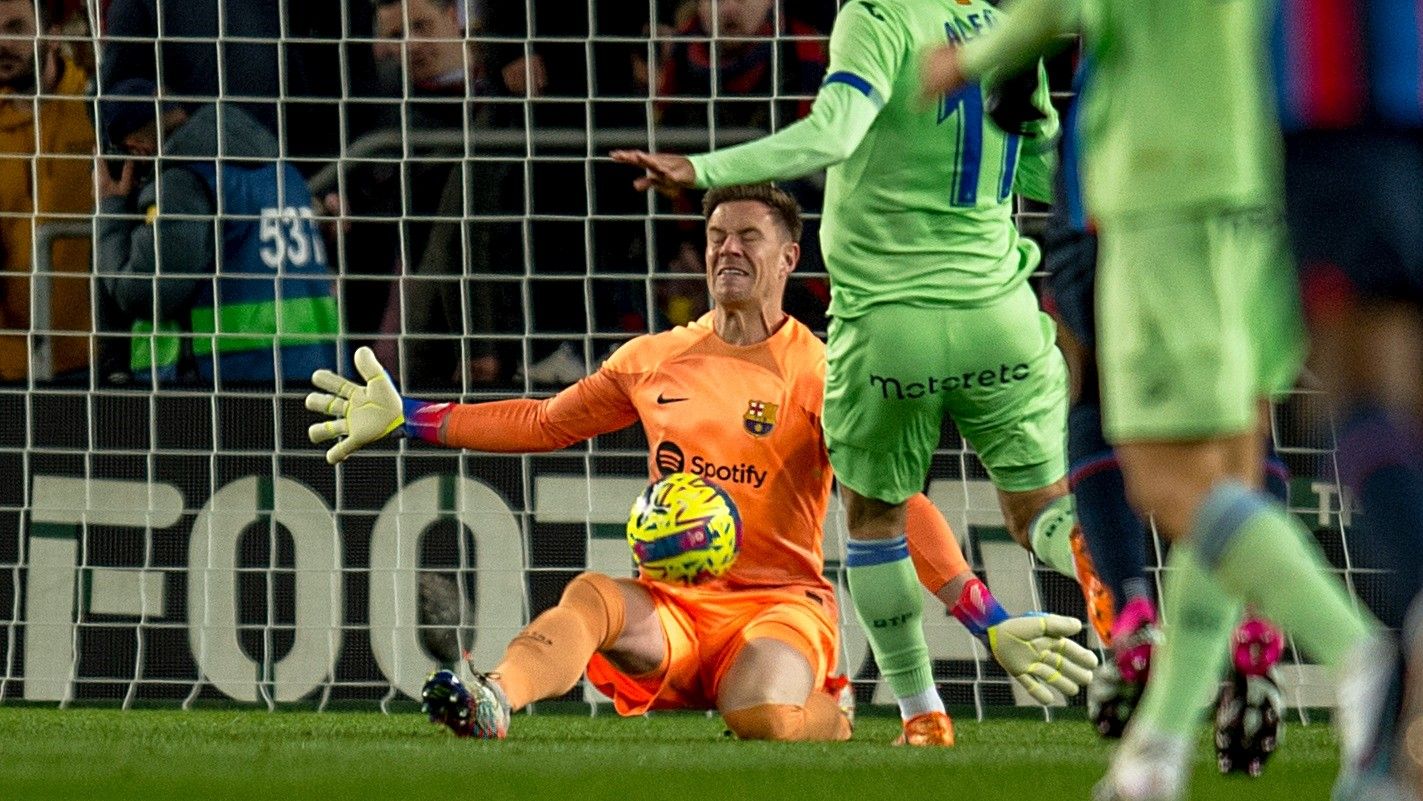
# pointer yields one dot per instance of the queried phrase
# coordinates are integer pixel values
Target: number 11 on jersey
(967, 105)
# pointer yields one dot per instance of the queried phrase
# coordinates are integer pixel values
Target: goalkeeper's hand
(363, 414)
(1035, 651)
(1010, 104)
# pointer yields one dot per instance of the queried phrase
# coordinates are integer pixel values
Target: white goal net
(168, 534)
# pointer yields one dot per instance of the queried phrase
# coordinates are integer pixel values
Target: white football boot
(1147, 767)
(1366, 684)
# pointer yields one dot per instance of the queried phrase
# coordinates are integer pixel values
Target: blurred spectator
(447, 297)
(561, 53)
(736, 42)
(549, 60)
(33, 187)
(767, 67)
(259, 276)
(430, 37)
(250, 62)
(71, 24)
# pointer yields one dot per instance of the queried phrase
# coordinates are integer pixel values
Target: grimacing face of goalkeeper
(749, 255)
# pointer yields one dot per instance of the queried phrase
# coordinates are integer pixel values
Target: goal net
(167, 532)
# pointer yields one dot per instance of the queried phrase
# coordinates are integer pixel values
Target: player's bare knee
(763, 695)
(777, 722)
(766, 671)
(1019, 528)
(1163, 501)
(1020, 509)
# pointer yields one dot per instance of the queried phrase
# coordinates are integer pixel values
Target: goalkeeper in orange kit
(735, 396)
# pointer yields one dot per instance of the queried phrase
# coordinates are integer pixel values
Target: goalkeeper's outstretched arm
(364, 413)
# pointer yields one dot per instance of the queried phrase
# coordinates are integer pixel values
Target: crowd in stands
(410, 174)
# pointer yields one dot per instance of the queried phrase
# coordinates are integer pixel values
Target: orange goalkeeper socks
(548, 657)
(819, 719)
(933, 548)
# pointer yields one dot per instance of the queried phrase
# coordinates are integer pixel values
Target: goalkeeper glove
(365, 414)
(1010, 103)
(1035, 651)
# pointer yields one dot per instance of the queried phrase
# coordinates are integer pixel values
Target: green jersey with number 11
(918, 190)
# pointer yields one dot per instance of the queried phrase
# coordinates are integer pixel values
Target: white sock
(921, 703)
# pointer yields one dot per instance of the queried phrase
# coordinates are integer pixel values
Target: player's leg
(1112, 532)
(881, 425)
(938, 560)
(547, 658)
(774, 684)
(1194, 341)
(596, 614)
(1044, 521)
(944, 572)
(1250, 708)
(768, 694)
(1006, 390)
(890, 607)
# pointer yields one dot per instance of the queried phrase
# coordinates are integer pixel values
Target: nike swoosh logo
(662, 400)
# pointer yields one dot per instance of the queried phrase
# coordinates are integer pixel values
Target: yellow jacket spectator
(36, 189)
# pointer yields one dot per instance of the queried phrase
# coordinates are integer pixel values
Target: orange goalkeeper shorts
(706, 629)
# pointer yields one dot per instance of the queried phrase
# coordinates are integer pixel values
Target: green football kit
(1197, 309)
(931, 312)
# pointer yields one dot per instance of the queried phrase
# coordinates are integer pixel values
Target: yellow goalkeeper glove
(362, 414)
(1035, 651)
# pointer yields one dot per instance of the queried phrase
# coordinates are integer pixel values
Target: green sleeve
(828, 135)
(1026, 30)
(1036, 168)
(1037, 163)
(868, 48)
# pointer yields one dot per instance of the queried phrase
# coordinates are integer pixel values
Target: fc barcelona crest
(760, 418)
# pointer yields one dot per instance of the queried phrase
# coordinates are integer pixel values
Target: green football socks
(1050, 534)
(890, 606)
(1186, 667)
(1264, 556)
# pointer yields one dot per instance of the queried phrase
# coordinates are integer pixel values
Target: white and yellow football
(684, 529)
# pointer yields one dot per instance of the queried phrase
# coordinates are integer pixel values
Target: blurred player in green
(931, 312)
(1199, 323)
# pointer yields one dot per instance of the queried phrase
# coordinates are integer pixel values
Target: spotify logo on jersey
(669, 458)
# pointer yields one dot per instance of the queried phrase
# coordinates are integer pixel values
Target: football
(684, 529)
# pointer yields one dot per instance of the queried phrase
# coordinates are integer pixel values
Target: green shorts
(895, 372)
(1197, 318)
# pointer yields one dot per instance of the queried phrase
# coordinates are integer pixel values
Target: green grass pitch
(242, 753)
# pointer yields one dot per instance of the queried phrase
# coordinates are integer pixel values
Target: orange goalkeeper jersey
(747, 418)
